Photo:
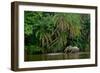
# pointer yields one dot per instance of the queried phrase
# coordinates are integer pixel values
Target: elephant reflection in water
(71, 52)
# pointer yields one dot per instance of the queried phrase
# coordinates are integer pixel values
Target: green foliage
(53, 32)
(32, 49)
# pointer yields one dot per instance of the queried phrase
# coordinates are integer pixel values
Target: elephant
(71, 49)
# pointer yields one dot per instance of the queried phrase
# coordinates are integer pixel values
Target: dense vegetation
(51, 32)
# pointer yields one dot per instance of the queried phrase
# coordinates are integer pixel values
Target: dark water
(56, 56)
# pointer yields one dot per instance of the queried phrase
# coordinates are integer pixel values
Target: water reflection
(57, 56)
(71, 56)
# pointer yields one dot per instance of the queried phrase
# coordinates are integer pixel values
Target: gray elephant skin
(71, 49)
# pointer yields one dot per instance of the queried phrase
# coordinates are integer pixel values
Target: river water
(57, 56)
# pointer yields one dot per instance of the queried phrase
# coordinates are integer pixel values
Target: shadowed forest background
(52, 32)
